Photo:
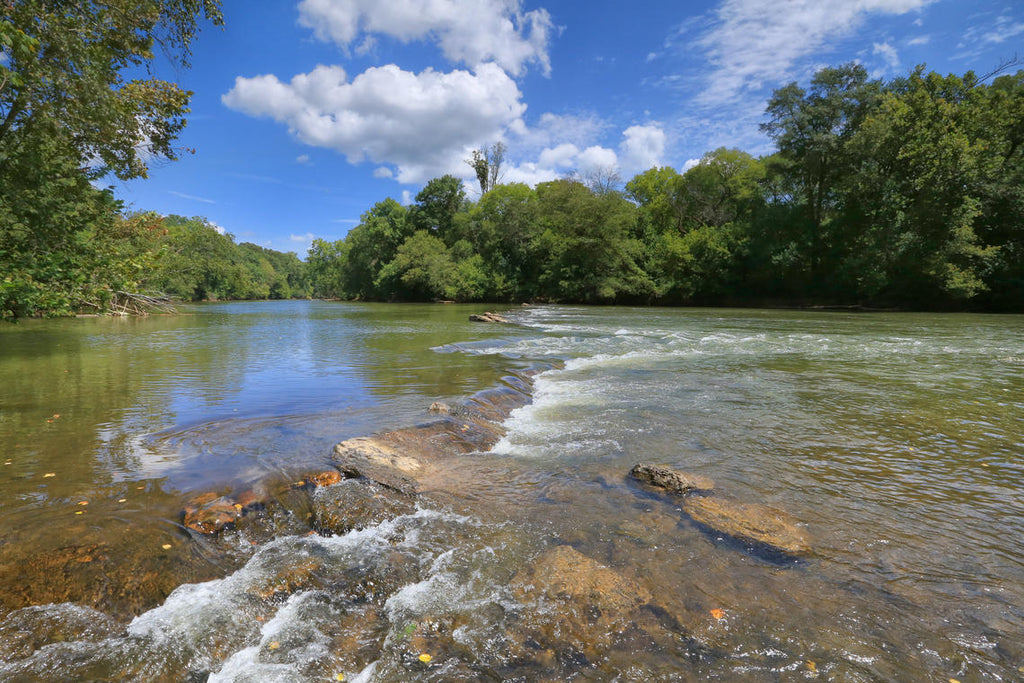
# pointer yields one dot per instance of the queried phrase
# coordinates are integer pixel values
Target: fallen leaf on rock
(273, 645)
(718, 613)
(83, 502)
(425, 658)
(80, 512)
(49, 474)
(811, 666)
(166, 546)
(122, 500)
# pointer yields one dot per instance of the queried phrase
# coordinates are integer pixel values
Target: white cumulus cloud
(467, 31)
(597, 158)
(642, 147)
(423, 123)
(561, 156)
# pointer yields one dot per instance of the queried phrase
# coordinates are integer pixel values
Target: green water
(895, 440)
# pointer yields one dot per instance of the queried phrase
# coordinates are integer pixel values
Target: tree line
(907, 193)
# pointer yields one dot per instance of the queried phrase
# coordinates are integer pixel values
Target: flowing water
(895, 440)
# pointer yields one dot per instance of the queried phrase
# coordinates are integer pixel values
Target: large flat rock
(750, 523)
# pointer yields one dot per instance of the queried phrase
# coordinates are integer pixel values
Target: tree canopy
(905, 193)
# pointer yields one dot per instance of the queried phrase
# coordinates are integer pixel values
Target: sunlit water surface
(895, 439)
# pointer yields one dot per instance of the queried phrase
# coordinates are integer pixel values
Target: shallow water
(894, 439)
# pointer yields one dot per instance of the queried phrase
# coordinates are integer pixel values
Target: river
(894, 440)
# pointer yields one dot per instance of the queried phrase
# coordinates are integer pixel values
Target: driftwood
(134, 303)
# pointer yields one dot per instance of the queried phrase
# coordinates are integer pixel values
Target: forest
(900, 194)
(905, 194)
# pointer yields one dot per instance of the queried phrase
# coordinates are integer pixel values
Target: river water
(895, 441)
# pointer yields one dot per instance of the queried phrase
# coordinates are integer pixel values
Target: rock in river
(403, 458)
(489, 317)
(669, 479)
(589, 605)
(354, 504)
(750, 523)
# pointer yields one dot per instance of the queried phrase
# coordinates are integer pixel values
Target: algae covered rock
(675, 481)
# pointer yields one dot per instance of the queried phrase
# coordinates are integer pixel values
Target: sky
(305, 114)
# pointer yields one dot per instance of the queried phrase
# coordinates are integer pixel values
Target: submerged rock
(669, 479)
(208, 516)
(299, 575)
(584, 606)
(353, 504)
(750, 523)
(489, 317)
(26, 630)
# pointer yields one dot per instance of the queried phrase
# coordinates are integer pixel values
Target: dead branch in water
(134, 303)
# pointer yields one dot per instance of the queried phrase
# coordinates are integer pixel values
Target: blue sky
(307, 113)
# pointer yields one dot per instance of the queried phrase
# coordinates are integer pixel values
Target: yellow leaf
(238, 506)
(80, 512)
(273, 645)
(166, 546)
(49, 474)
(718, 613)
(425, 658)
(83, 502)
(122, 500)
(811, 666)
(339, 677)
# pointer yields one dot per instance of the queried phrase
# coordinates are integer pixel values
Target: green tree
(66, 62)
(584, 245)
(371, 245)
(811, 129)
(925, 156)
(436, 206)
(326, 264)
(421, 269)
(68, 116)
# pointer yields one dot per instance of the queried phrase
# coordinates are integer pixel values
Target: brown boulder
(671, 480)
(750, 523)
